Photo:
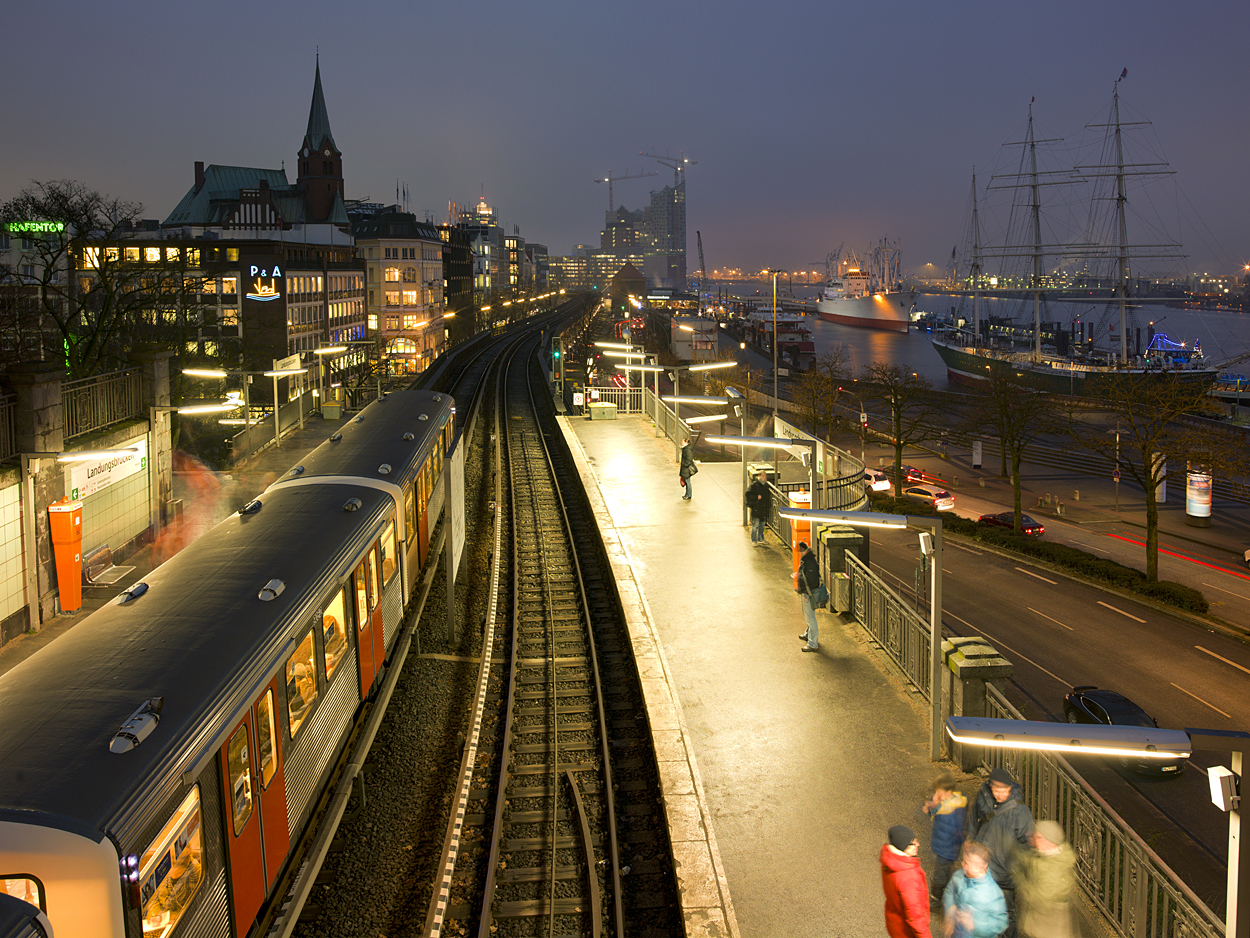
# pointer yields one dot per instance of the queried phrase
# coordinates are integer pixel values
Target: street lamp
(863, 425)
(770, 442)
(931, 547)
(276, 374)
(774, 274)
(674, 375)
(321, 365)
(655, 371)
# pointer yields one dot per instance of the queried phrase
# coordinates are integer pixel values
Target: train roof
(200, 637)
(376, 437)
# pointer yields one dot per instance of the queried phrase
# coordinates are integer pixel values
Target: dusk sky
(812, 123)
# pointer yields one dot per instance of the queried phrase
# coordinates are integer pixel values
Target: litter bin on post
(799, 530)
(65, 519)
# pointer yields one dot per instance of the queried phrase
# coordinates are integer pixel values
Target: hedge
(1061, 555)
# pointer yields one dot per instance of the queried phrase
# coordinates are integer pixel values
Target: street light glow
(707, 419)
(1143, 742)
(204, 372)
(713, 365)
(867, 519)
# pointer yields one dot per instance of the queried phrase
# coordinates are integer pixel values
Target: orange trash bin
(65, 519)
(799, 530)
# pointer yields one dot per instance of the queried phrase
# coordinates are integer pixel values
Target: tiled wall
(116, 514)
(12, 582)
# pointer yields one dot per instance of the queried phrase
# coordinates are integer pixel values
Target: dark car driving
(1089, 704)
(1006, 519)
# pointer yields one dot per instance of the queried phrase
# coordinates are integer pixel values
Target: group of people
(995, 872)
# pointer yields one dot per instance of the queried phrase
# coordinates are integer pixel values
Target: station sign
(87, 478)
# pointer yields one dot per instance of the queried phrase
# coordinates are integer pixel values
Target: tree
(816, 391)
(90, 297)
(1020, 415)
(910, 406)
(1153, 438)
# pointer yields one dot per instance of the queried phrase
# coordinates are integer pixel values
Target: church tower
(320, 163)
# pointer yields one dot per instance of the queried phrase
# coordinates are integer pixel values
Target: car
(930, 495)
(876, 480)
(1006, 519)
(913, 474)
(1089, 704)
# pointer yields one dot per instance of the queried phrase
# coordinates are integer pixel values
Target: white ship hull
(890, 311)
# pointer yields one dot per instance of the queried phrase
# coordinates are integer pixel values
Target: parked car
(1006, 519)
(1089, 704)
(876, 480)
(931, 495)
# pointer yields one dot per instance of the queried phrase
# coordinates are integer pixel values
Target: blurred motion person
(902, 878)
(806, 579)
(760, 501)
(973, 904)
(1001, 821)
(1045, 878)
(688, 468)
(949, 810)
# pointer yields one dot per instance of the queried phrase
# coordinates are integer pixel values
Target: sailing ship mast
(976, 264)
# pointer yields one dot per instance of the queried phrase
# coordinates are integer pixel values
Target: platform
(782, 770)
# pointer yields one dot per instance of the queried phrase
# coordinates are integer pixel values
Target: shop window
(152, 255)
(301, 684)
(265, 735)
(334, 634)
(171, 869)
(389, 557)
(239, 773)
(26, 888)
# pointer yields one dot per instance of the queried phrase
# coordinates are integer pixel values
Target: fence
(8, 433)
(891, 623)
(627, 400)
(96, 402)
(1135, 890)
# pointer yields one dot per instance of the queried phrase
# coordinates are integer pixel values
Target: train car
(158, 761)
(20, 919)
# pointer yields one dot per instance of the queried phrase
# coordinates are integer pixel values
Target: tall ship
(1054, 356)
(869, 295)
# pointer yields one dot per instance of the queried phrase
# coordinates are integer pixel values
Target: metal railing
(891, 622)
(1139, 894)
(8, 432)
(96, 402)
(627, 400)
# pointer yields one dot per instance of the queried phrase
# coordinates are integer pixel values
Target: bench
(98, 568)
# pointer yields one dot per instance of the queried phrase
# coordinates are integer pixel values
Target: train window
(410, 511)
(373, 578)
(387, 546)
(362, 598)
(265, 734)
(334, 633)
(26, 888)
(171, 869)
(301, 684)
(239, 770)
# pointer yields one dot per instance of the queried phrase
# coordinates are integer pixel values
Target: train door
(272, 777)
(243, 836)
(423, 511)
(364, 628)
(375, 608)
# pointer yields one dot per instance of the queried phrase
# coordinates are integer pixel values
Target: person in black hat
(806, 579)
(1001, 821)
(906, 892)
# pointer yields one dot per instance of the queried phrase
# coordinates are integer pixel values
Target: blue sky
(813, 123)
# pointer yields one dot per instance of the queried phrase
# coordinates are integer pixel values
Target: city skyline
(810, 128)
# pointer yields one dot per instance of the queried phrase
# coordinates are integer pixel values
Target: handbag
(820, 596)
(682, 480)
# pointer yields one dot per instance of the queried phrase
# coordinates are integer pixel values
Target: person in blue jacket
(973, 904)
(949, 810)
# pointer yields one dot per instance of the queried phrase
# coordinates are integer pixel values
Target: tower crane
(609, 179)
(676, 164)
(702, 263)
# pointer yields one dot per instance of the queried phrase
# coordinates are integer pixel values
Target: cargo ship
(869, 296)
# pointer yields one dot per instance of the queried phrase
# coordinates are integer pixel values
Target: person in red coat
(906, 891)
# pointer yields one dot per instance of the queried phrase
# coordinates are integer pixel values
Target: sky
(811, 124)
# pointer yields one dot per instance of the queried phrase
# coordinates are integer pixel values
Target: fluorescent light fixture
(233, 422)
(638, 354)
(204, 372)
(713, 365)
(639, 367)
(283, 372)
(856, 519)
(210, 408)
(330, 350)
(706, 419)
(695, 400)
(621, 345)
(771, 442)
(1142, 742)
(91, 455)
(686, 328)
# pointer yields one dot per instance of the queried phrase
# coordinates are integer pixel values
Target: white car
(932, 495)
(876, 480)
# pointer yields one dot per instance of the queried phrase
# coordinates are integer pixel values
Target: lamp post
(770, 442)
(321, 365)
(276, 374)
(655, 371)
(677, 400)
(863, 425)
(223, 372)
(774, 274)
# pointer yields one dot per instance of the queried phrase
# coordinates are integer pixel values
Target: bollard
(1047, 498)
(1076, 495)
(1058, 507)
(982, 482)
(955, 480)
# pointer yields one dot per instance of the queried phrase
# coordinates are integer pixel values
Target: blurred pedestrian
(806, 579)
(688, 468)
(949, 810)
(902, 878)
(1001, 821)
(1046, 877)
(760, 500)
(973, 904)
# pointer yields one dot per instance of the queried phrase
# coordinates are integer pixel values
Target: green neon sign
(24, 227)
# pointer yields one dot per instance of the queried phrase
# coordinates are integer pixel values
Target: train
(160, 759)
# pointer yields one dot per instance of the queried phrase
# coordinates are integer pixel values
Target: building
(457, 283)
(490, 257)
(539, 265)
(664, 237)
(403, 260)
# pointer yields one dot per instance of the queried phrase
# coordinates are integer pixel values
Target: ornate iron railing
(96, 402)
(893, 625)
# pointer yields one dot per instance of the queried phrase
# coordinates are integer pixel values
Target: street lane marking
(998, 644)
(1038, 575)
(961, 547)
(1230, 592)
(1044, 616)
(1193, 560)
(1092, 547)
(1200, 700)
(1222, 658)
(1121, 612)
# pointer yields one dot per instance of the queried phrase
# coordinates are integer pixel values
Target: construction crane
(676, 164)
(702, 263)
(609, 179)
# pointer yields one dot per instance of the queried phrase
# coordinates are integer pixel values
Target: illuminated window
(374, 595)
(172, 868)
(132, 255)
(90, 258)
(373, 322)
(410, 274)
(171, 255)
(265, 735)
(232, 254)
(301, 684)
(209, 286)
(239, 770)
(85, 284)
(392, 297)
(334, 633)
(26, 888)
(229, 316)
(193, 257)
(152, 255)
(391, 274)
(112, 254)
(410, 513)
(229, 285)
(410, 322)
(410, 297)
(210, 348)
(392, 323)
(390, 561)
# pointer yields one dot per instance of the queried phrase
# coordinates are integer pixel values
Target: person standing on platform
(1045, 878)
(902, 878)
(688, 468)
(1001, 821)
(760, 501)
(949, 810)
(806, 579)
(973, 903)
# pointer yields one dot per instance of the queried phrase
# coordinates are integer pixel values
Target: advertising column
(1198, 497)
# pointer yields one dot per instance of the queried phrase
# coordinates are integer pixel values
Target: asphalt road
(1059, 633)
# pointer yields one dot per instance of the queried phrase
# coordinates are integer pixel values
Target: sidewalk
(208, 498)
(799, 763)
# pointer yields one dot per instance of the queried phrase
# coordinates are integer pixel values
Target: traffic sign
(1115, 475)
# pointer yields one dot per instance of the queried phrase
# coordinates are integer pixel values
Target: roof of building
(394, 225)
(628, 272)
(318, 119)
(214, 202)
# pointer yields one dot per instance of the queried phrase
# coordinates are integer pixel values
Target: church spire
(320, 161)
(318, 134)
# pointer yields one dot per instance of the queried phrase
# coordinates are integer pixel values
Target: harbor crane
(676, 164)
(609, 179)
(702, 263)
